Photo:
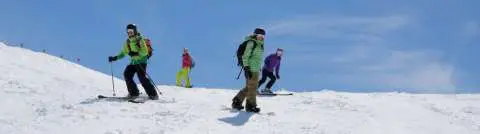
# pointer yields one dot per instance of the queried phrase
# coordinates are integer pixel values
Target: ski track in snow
(60, 97)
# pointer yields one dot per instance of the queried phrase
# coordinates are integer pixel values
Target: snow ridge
(46, 94)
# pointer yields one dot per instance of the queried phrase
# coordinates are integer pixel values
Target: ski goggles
(261, 35)
(279, 52)
(130, 31)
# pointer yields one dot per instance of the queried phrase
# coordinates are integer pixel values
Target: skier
(251, 61)
(136, 48)
(272, 62)
(184, 72)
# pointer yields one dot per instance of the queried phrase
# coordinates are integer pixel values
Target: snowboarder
(136, 48)
(272, 62)
(251, 60)
(184, 72)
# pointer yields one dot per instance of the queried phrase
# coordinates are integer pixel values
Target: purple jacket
(272, 62)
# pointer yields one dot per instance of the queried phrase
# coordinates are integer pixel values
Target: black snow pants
(270, 75)
(140, 69)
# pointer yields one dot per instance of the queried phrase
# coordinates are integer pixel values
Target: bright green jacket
(142, 57)
(253, 60)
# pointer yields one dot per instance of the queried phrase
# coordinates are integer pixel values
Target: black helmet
(259, 31)
(132, 26)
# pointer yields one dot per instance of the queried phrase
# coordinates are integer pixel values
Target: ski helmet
(133, 27)
(259, 31)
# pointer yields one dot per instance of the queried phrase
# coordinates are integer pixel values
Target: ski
(111, 97)
(233, 110)
(274, 94)
(137, 101)
(115, 98)
(140, 99)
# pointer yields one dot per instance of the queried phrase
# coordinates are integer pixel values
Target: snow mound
(43, 94)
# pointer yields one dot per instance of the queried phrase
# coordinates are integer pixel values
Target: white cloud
(336, 27)
(357, 30)
(366, 57)
(412, 69)
(387, 68)
(403, 59)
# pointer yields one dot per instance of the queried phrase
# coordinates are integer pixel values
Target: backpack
(193, 63)
(149, 47)
(147, 42)
(241, 51)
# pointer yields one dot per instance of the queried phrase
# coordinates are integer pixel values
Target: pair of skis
(135, 100)
(233, 110)
(274, 94)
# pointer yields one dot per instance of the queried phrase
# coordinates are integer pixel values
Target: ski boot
(132, 96)
(252, 108)
(155, 97)
(237, 104)
(267, 91)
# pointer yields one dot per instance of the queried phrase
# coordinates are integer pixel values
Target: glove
(247, 71)
(112, 58)
(132, 53)
(278, 76)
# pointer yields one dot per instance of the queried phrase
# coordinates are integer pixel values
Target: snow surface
(43, 94)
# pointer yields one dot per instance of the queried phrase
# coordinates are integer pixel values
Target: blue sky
(369, 45)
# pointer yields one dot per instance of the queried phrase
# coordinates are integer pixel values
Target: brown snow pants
(249, 92)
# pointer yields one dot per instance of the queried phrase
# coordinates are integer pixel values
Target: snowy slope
(42, 94)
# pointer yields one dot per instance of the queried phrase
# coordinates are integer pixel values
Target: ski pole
(239, 73)
(113, 83)
(149, 78)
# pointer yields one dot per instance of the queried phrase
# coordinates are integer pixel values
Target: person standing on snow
(136, 48)
(251, 61)
(272, 62)
(184, 72)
